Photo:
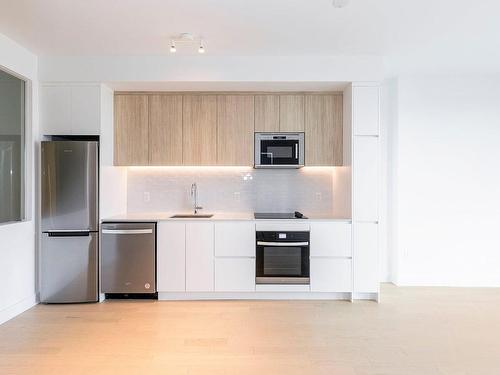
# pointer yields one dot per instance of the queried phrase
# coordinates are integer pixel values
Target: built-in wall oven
(282, 257)
(279, 150)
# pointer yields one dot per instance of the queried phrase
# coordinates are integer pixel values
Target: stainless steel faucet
(194, 198)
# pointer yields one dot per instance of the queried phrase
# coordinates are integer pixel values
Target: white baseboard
(177, 296)
(366, 296)
(18, 308)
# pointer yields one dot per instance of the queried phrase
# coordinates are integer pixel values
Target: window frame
(27, 154)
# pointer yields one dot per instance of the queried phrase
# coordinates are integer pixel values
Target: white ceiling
(255, 27)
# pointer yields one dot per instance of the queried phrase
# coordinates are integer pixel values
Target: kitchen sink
(192, 216)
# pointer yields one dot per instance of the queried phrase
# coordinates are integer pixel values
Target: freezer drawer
(128, 258)
(69, 267)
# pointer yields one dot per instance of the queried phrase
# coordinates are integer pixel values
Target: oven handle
(263, 243)
(296, 150)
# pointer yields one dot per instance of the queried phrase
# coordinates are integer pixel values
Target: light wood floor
(412, 331)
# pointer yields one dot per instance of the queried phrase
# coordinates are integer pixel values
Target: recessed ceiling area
(257, 27)
(228, 86)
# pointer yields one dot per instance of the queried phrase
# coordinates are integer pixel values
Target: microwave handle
(296, 150)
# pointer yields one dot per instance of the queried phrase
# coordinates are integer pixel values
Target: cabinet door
(331, 275)
(55, 110)
(86, 110)
(365, 178)
(165, 130)
(323, 115)
(199, 257)
(199, 124)
(235, 239)
(291, 113)
(365, 256)
(267, 113)
(365, 110)
(235, 129)
(234, 275)
(171, 257)
(331, 239)
(131, 130)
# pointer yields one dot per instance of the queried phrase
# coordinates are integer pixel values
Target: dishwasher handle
(127, 231)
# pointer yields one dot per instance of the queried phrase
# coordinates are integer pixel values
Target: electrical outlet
(146, 197)
(319, 196)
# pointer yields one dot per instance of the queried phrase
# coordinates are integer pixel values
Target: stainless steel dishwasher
(128, 259)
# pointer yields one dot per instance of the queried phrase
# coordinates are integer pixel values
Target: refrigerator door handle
(69, 233)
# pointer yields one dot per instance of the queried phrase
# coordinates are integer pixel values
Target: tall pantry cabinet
(362, 154)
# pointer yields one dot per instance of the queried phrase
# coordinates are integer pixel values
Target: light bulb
(172, 48)
(201, 49)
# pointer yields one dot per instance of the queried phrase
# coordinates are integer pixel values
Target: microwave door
(282, 152)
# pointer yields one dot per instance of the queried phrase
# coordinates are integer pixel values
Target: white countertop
(218, 216)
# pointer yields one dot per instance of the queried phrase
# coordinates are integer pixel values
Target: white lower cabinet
(220, 257)
(235, 274)
(171, 257)
(366, 268)
(331, 239)
(331, 275)
(233, 239)
(199, 257)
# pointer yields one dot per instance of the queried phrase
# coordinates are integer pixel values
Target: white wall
(445, 196)
(17, 241)
(209, 68)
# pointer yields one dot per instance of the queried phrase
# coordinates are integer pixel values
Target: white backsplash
(231, 189)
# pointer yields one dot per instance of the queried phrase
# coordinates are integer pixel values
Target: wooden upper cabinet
(235, 129)
(165, 129)
(291, 115)
(323, 127)
(209, 129)
(199, 143)
(267, 113)
(131, 130)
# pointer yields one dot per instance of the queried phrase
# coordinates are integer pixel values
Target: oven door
(282, 263)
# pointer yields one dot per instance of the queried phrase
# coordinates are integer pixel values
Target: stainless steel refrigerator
(70, 233)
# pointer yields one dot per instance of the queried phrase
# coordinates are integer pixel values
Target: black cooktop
(279, 215)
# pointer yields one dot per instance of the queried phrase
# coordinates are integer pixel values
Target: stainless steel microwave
(279, 150)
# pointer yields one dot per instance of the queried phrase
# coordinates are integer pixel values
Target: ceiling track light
(340, 3)
(187, 39)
